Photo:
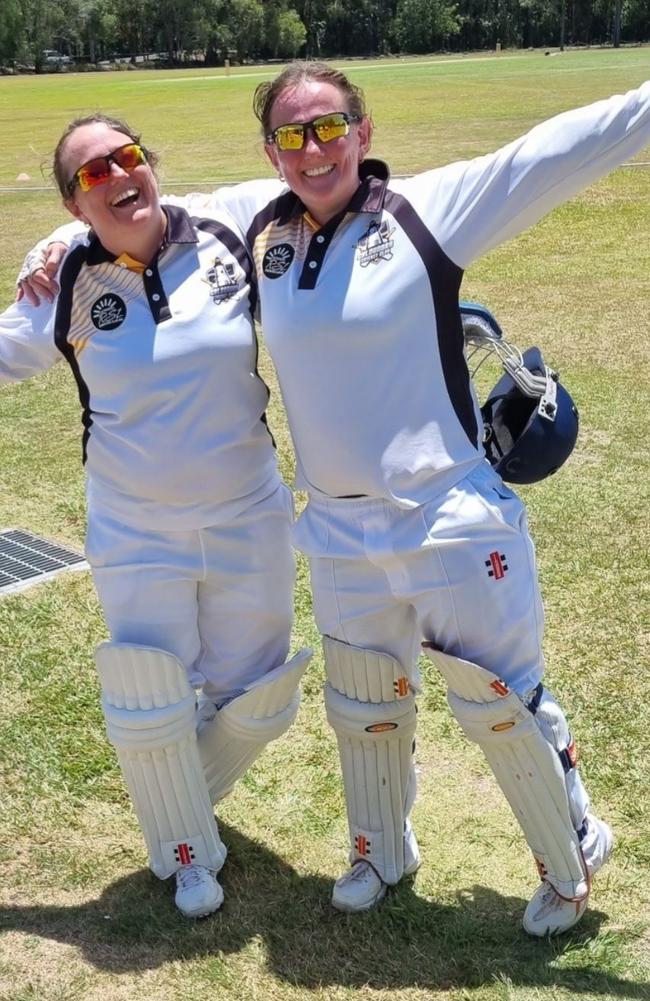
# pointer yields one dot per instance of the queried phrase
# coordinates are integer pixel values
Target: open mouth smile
(125, 198)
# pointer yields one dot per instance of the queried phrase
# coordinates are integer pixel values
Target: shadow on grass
(408, 941)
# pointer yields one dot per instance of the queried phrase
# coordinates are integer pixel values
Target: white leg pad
(150, 713)
(232, 736)
(371, 708)
(525, 765)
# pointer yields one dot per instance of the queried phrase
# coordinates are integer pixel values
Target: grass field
(81, 918)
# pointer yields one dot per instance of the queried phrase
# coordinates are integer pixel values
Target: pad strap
(231, 738)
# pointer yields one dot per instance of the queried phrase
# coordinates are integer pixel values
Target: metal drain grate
(26, 559)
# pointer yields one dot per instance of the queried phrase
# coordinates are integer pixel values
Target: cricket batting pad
(371, 708)
(231, 738)
(150, 714)
(526, 766)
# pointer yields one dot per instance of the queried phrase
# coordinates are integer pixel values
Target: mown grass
(81, 918)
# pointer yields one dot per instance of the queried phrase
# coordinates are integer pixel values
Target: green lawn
(81, 918)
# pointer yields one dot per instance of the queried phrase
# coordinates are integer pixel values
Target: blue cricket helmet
(528, 437)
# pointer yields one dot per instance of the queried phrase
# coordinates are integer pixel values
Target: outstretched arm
(477, 204)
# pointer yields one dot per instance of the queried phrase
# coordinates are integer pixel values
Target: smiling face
(323, 175)
(125, 211)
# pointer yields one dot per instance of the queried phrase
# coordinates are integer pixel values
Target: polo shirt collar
(179, 230)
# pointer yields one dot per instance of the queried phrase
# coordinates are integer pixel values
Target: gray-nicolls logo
(277, 260)
(376, 244)
(221, 277)
(108, 312)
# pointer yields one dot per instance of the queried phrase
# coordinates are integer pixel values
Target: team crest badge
(221, 277)
(376, 244)
(277, 261)
(108, 312)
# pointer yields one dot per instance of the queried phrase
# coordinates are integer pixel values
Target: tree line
(33, 33)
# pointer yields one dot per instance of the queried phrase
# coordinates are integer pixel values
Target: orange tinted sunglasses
(98, 170)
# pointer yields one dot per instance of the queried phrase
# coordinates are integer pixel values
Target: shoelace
(189, 876)
(550, 896)
(358, 872)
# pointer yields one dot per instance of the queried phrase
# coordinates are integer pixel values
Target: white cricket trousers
(458, 571)
(219, 598)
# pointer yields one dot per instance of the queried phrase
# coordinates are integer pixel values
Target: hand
(36, 280)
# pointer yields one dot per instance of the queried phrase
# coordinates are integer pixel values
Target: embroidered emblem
(221, 277)
(376, 244)
(363, 845)
(497, 565)
(184, 853)
(401, 687)
(277, 260)
(108, 312)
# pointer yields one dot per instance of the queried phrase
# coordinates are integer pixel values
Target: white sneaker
(197, 891)
(360, 888)
(548, 913)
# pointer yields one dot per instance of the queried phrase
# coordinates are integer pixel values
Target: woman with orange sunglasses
(189, 521)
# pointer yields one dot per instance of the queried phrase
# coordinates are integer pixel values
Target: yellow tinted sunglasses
(326, 128)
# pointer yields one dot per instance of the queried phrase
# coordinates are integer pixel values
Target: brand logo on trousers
(362, 844)
(496, 565)
(184, 853)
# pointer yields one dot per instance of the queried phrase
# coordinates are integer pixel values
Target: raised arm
(477, 204)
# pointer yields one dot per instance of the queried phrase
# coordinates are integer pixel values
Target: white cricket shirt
(165, 362)
(361, 316)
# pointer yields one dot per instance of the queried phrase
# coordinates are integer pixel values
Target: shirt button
(155, 297)
(320, 239)
(313, 264)
(148, 272)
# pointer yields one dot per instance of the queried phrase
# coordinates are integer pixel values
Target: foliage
(424, 25)
(243, 30)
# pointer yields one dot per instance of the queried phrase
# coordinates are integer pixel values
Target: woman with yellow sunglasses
(411, 534)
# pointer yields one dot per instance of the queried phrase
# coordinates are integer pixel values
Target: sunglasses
(326, 128)
(98, 171)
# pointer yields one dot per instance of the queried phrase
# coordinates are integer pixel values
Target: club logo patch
(277, 261)
(221, 276)
(108, 312)
(376, 244)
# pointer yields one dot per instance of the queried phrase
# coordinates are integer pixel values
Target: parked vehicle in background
(53, 58)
